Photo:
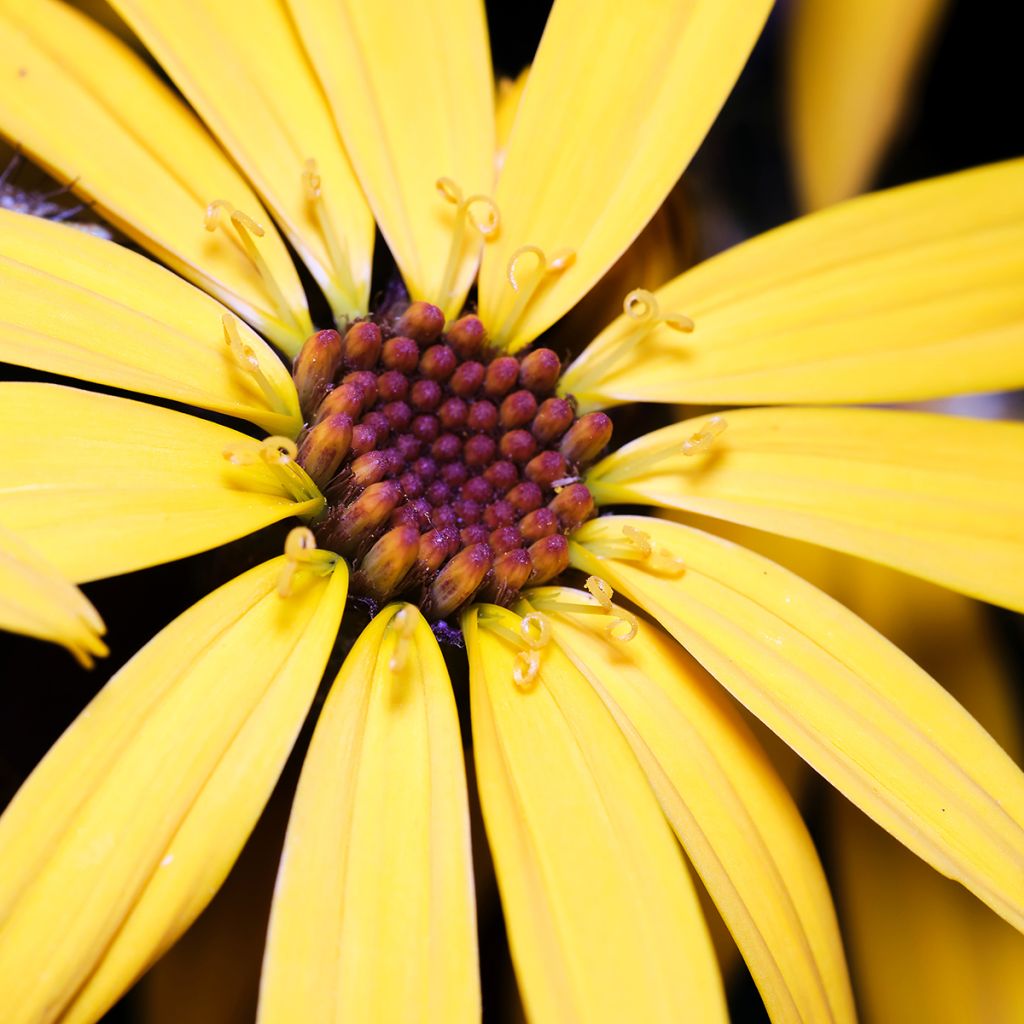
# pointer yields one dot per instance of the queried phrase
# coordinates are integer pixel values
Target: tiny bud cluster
(451, 473)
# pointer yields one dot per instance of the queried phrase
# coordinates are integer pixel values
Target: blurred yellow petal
(851, 704)
(241, 65)
(129, 825)
(374, 916)
(913, 293)
(102, 485)
(603, 921)
(849, 69)
(37, 601)
(93, 114)
(84, 307)
(921, 948)
(937, 496)
(618, 100)
(729, 809)
(412, 91)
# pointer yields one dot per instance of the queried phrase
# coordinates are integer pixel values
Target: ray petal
(242, 67)
(374, 917)
(80, 306)
(912, 293)
(727, 805)
(412, 90)
(130, 824)
(91, 112)
(850, 703)
(603, 921)
(101, 485)
(37, 601)
(937, 496)
(618, 100)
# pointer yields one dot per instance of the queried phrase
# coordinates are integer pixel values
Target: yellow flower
(595, 733)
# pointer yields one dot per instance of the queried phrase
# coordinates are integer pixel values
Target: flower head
(434, 460)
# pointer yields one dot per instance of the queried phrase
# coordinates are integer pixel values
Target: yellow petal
(937, 496)
(852, 705)
(921, 948)
(92, 113)
(129, 825)
(849, 70)
(412, 90)
(374, 917)
(37, 601)
(619, 98)
(241, 65)
(728, 807)
(913, 293)
(506, 106)
(102, 485)
(84, 307)
(603, 921)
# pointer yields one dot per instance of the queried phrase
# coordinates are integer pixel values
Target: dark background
(966, 111)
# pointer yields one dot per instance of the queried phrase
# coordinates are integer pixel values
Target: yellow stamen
(602, 593)
(636, 546)
(246, 228)
(642, 306)
(278, 450)
(705, 437)
(337, 250)
(525, 668)
(279, 453)
(486, 228)
(301, 552)
(404, 623)
(525, 289)
(533, 636)
(699, 443)
(246, 359)
(535, 630)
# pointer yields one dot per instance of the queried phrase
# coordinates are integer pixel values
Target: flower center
(451, 472)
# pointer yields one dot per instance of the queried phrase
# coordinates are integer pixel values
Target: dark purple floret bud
(546, 468)
(573, 505)
(539, 371)
(586, 438)
(392, 386)
(452, 414)
(536, 525)
(549, 557)
(467, 380)
(387, 563)
(421, 321)
(517, 410)
(501, 376)
(553, 419)
(362, 346)
(483, 415)
(438, 362)
(467, 337)
(458, 581)
(479, 450)
(324, 447)
(402, 354)
(518, 446)
(315, 368)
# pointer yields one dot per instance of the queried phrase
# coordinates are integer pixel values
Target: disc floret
(451, 471)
